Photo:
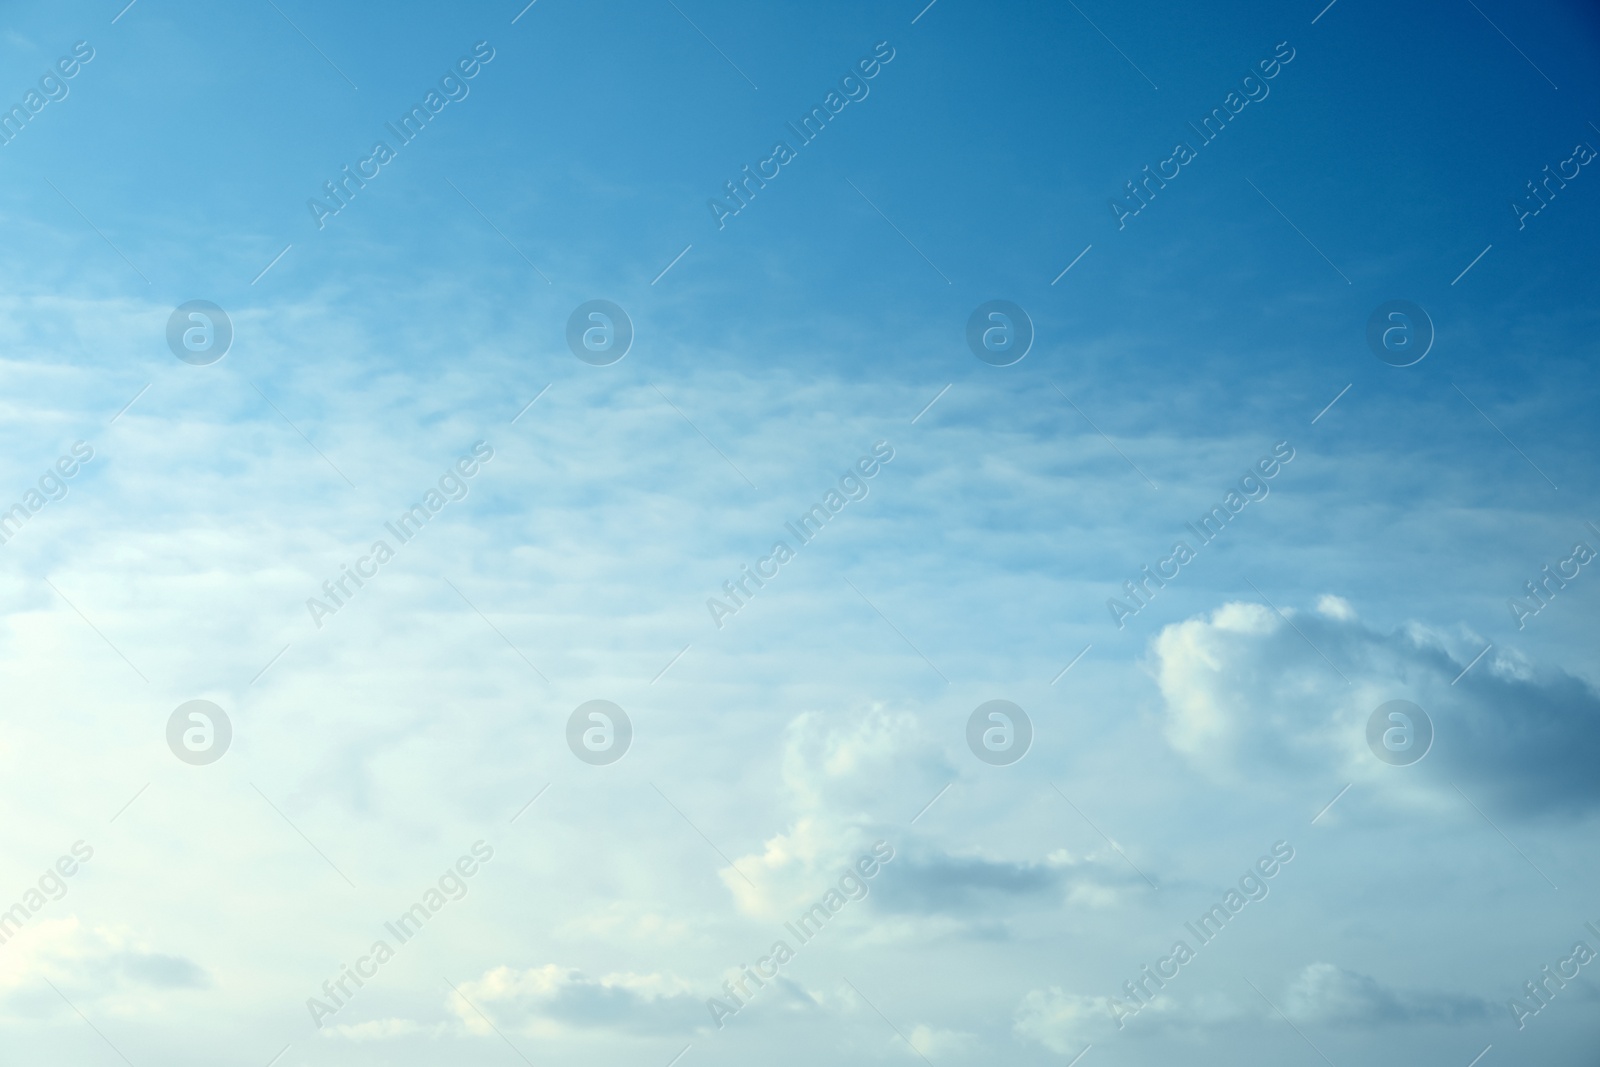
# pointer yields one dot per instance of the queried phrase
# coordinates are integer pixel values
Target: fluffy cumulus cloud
(841, 763)
(1060, 1021)
(549, 1001)
(1250, 695)
(553, 1000)
(836, 769)
(944, 882)
(92, 964)
(1065, 1022)
(1328, 995)
(934, 1043)
(1320, 994)
(795, 866)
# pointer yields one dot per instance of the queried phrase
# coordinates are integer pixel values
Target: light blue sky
(372, 752)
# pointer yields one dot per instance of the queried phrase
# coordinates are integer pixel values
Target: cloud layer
(1248, 694)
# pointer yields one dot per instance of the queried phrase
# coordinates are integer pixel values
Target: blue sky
(1227, 318)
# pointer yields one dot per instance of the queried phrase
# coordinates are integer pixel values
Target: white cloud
(95, 964)
(936, 1043)
(1248, 696)
(553, 1000)
(1062, 1022)
(1236, 688)
(833, 768)
(1336, 607)
(1325, 994)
